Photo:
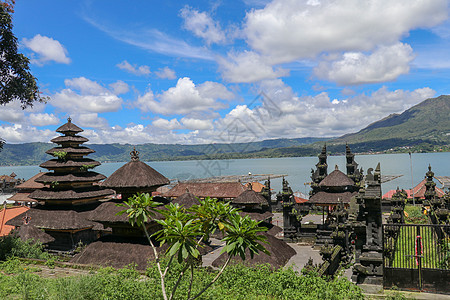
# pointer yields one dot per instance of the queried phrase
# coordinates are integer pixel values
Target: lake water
(298, 169)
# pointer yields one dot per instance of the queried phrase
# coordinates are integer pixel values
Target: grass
(237, 282)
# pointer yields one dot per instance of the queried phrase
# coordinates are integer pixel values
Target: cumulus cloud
(47, 50)
(185, 98)
(385, 64)
(287, 30)
(134, 69)
(202, 25)
(18, 133)
(196, 124)
(43, 119)
(119, 87)
(247, 67)
(92, 120)
(167, 124)
(166, 73)
(91, 97)
(12, 112)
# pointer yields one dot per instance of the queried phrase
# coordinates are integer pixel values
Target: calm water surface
(298, 169)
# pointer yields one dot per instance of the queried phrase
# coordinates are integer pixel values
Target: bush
(11, 245)
(415, 215)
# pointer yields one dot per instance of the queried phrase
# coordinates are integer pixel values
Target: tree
(16, 81)
(185, 230)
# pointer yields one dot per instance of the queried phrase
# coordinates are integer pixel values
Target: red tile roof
(226, 190)
(8, 214)
(419, 191)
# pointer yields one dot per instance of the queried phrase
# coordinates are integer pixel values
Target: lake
(298, 169)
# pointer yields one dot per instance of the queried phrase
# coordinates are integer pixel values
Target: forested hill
(34, 153)
(428, 120)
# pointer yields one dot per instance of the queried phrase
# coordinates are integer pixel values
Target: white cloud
(185, 98)
(134, 69)
(43, 119)
(166, 73)
(91, 120)
(17, 133)
(385, 64)
(47, 49)
(281, 113)
(12, 112)
(196, 124)
(153, 40)
(119, 87)
(92, 97)
(286, 30)
(167, 124)
(202, 25)
(247, 67)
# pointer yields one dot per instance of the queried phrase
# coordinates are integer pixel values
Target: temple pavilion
(69, 194)
(127, 244)
(328, 190)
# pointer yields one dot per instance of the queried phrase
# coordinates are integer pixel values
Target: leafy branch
(185, 230)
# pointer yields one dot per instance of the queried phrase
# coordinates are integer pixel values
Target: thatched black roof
(69, 139)
(70, 163)
(273, 229)
(69, 128)
(81, 193)
(106, 212)
(336, 179)
(250, 197)
(70, 150)
(135, 175)
(257, 216)
(187, 200)
(55, 219)
(27, 232)
(118, 252)
(280, 253)
(324, 198)
(50, 177)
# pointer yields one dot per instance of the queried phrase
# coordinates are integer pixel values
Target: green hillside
(34, 153)
(427, 121)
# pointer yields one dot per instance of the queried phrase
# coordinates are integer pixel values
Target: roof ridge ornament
(134, 154)
(69, 119)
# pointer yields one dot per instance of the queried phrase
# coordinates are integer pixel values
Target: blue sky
(225, 71)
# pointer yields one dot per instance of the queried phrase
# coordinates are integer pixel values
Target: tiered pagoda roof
(71, 182)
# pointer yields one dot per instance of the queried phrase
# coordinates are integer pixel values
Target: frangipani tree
(184, 231)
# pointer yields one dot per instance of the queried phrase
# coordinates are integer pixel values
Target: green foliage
(242, 234)
(11, 246)
(415, 215)
(61, 155)
(85, 168)
(139, 208)
(444, 262)
(184, 230)
(237, 282)
(16, 80)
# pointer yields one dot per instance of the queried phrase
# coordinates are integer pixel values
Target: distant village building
(25, 189)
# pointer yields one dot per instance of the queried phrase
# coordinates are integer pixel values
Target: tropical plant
(185, 230)
(61, 155)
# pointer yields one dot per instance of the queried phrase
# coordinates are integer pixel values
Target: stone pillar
(368, 268)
